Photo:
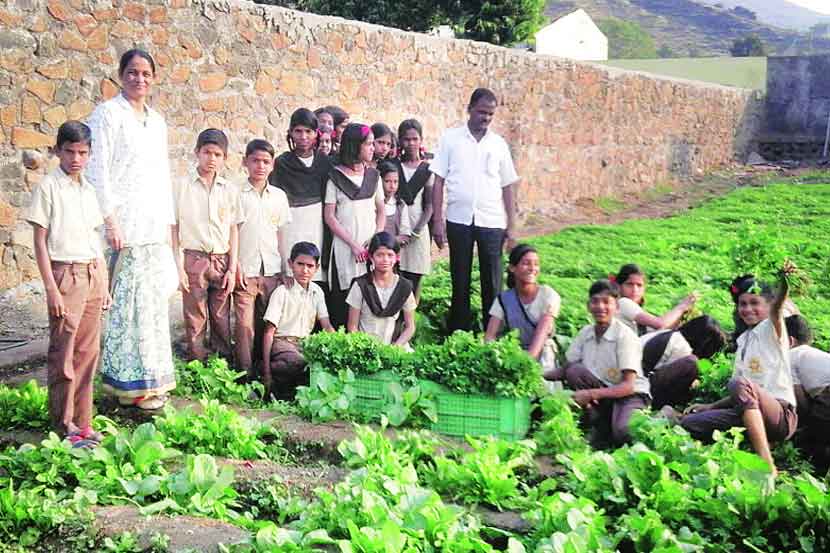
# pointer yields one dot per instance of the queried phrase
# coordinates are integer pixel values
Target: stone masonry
(576, 130)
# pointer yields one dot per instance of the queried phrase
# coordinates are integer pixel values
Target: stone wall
(798, 98)
(576, 130)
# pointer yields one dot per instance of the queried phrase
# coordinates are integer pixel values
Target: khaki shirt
(295, 310)
(205, 215)
(617, 351)
(69, 211)
(676, 348)
(262, 216)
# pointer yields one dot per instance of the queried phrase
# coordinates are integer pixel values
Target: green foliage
(219, 430)
(627, 39)
(504, 22)
(357, 352)
(216, 380)
(467, 365)
(271, 499)
(414, 406)
(327, 396)
(24, 407)
(559, 431)
(713, 376)
(748, 46)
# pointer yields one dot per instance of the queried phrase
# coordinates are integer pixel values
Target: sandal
(79, 442)
(89, 434)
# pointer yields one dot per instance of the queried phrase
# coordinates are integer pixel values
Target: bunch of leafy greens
(24, 407)
(216, 380)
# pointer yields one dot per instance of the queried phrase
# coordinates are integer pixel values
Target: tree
(750, 45)
(666, 51)
(627, 39)
(503, 22)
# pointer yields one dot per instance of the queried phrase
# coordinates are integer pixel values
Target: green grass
(739, 72)
(610, 205)
(693, 251)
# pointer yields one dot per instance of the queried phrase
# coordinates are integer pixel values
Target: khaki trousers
(207, 300)
(74, 343)
(249, 305)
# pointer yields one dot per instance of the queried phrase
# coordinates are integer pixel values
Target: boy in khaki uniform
(207, 215)
(290, 317)
(65, 215)
(264, 210)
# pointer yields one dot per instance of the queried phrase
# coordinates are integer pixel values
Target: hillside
(690, 28)
(779, 13)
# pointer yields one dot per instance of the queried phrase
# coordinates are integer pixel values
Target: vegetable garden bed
(413, 491)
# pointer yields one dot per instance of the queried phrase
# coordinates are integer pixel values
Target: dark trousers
(611, 416)
(671, 384)
(780, 418)
(489, 243)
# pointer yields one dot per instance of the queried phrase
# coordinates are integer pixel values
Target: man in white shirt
(475, 166)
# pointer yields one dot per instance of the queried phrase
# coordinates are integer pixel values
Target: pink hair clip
(364, 131)
(612, 278)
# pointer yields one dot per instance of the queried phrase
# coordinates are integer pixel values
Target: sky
(821, 6)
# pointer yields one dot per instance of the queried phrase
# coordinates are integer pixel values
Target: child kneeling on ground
(761, 396)
(65, 215)
(381, 302)
(811, 379)
(290, 317)
(604, 366)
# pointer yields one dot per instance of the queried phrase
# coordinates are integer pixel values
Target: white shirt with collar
(130, 171)
(617, 350)
(763, 357)
(263, 215)
(474, 171)
(811, 368)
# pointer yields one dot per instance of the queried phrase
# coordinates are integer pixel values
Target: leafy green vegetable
(216, 380)
(328, 396)
(24, 407)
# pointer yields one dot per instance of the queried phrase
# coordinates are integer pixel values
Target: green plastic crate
(371, 393)
(460, 415)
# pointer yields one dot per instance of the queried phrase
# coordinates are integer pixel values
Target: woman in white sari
(130, 171)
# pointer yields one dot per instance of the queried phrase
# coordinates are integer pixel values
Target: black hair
(515, 257)
(305, 248)
(320, 111)
(259, 145)
(353, 137)
(212, 136)
(749, 284)
(382, 129)
(625, 273)
(382, 239)
(480, 94)
(604, 286)
(746, 284)
(704, 335)
(301, 117)
(338, 114)
(128, 56)
(799, 329)
(385, 167)
(408, 124)
(73, 131)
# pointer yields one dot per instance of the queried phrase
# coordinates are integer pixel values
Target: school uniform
(293, 311)
(811, 370)
(355, 198)
(762, 380)
(600, 363)
(205, 217)
(381, 307)
(475, 172)
(524, 317)
(260, 262)
(670, 366)
(627, 314)
(304, 182)
(397, 217)
(69, 211)
(416, 255)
